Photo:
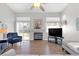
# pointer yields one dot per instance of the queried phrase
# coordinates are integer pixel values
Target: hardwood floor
(37, 47)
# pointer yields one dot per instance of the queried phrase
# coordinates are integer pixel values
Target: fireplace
(38, 36)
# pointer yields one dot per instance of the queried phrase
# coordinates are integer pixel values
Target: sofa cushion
(10, 52)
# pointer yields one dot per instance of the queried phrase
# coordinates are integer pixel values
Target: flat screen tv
(57, 32)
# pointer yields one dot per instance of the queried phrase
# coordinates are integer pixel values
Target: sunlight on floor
(25, 36)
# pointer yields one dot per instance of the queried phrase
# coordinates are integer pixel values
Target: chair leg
(8, 44)
(12, 45)
(20, 43)
(63, 49)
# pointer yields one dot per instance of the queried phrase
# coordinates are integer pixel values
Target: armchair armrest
(19, 37)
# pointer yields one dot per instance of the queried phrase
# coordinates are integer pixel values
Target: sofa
(10, 52)
(3, 46)
(71, 47)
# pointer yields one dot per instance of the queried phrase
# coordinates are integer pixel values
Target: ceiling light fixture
(36, 5)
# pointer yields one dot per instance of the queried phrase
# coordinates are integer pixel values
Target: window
(52, 22)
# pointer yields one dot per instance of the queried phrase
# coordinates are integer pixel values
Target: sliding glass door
(23, 29)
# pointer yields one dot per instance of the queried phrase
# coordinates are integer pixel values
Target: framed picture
(77, 23)
(37, 23)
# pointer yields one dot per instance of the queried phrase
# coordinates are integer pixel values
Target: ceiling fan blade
(32, 7)
(41, 7)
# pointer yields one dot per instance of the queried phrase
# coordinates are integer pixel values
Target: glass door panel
(23, 29)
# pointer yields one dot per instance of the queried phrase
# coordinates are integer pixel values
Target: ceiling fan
(37, 5)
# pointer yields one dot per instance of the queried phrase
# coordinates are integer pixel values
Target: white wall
(71, 13)
(7, 17)
(38, 16)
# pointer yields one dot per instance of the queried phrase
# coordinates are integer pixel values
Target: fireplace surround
(38, 36)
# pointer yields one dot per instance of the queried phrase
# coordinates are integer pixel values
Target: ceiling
(26, 7)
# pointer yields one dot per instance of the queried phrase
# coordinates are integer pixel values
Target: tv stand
(56, 39)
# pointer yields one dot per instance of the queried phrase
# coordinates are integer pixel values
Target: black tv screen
(57, 32)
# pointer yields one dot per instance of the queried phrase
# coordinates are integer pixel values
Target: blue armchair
(13, 38)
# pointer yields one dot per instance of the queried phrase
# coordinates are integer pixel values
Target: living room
(31, 22)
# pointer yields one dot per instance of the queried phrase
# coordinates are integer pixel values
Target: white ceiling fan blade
(41, 7)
